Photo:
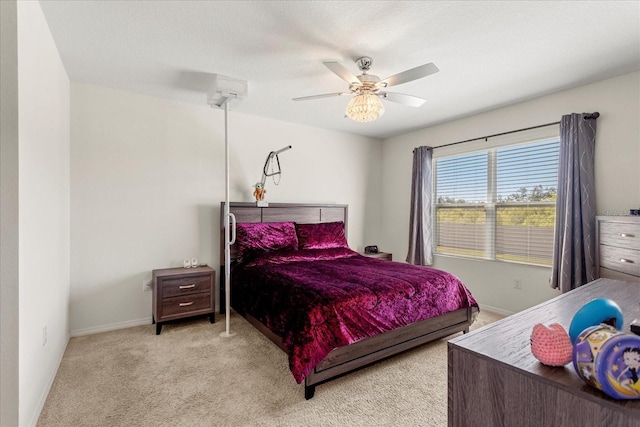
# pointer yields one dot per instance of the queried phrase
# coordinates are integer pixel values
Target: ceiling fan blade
(325, 95)
(409, 75)
(342, 72)
(401, 98)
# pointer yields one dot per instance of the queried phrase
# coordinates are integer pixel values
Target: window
(498, 203)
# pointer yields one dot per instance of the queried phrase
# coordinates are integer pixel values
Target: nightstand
(382, 255)
(182, 292)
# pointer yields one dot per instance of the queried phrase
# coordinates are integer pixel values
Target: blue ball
(593, 313)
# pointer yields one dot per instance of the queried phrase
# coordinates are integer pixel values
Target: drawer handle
(627, 235)
(187, 287)
(628, 261)
(185, 304)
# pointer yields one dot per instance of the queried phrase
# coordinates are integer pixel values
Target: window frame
(492, 205)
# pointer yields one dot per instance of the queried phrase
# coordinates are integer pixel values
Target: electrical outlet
(146, 285)
(517, 283)
(44, 336)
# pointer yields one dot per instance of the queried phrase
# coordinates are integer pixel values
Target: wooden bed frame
(341, 360)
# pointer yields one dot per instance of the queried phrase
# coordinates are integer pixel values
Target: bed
(329, 308)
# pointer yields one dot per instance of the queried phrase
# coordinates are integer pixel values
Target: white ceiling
(490, 53)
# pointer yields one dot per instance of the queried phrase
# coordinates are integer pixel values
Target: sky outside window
(463, 179)
(527, 166)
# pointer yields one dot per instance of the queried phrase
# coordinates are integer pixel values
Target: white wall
(9, 143)
(147, 179)
(44, 218)
(617, 166)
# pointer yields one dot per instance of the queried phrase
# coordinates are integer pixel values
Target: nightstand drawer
(186, 304)
(622, 260)
(186, 286)
(380, 255)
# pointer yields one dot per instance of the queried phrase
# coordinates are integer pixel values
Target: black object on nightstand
(182, 292)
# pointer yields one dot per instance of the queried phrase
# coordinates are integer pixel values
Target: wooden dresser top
(507, 341)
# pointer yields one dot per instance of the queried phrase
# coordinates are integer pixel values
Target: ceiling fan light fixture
(365, 107)
(366, 89)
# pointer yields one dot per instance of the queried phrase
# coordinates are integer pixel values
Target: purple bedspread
(320, 299)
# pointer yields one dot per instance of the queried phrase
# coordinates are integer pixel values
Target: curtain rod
(587, 117)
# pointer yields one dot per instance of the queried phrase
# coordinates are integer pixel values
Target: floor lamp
(221, 93)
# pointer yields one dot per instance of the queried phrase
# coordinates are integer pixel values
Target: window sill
(499, 261)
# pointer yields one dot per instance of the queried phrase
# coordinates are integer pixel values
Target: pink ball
(551, 345)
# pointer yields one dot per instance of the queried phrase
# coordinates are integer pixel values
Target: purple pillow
(324, 235)
(254, 237)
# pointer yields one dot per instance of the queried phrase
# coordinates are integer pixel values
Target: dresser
(494, 380)
(618, 247)
(182, 292)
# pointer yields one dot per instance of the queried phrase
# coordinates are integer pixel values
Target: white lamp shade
(365, 107)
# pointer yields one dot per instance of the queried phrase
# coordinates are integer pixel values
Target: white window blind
(498, 203)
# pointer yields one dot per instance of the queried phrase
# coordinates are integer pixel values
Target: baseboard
(111, 327)
(496, 310)
(47, 388)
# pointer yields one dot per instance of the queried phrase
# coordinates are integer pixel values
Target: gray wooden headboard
(281, 212)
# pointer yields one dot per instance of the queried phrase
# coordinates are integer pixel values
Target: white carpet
(191, 376)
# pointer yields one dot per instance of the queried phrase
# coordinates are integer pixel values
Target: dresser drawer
(186, 304)
(619, 259)
(185, 285)
(620, 234)
(616, 275)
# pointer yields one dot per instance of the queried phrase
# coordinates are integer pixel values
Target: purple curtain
(575, 239)
(420, 243)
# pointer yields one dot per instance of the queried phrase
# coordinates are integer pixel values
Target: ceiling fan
(367, 89)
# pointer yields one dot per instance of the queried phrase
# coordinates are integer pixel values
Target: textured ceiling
(490, 53)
